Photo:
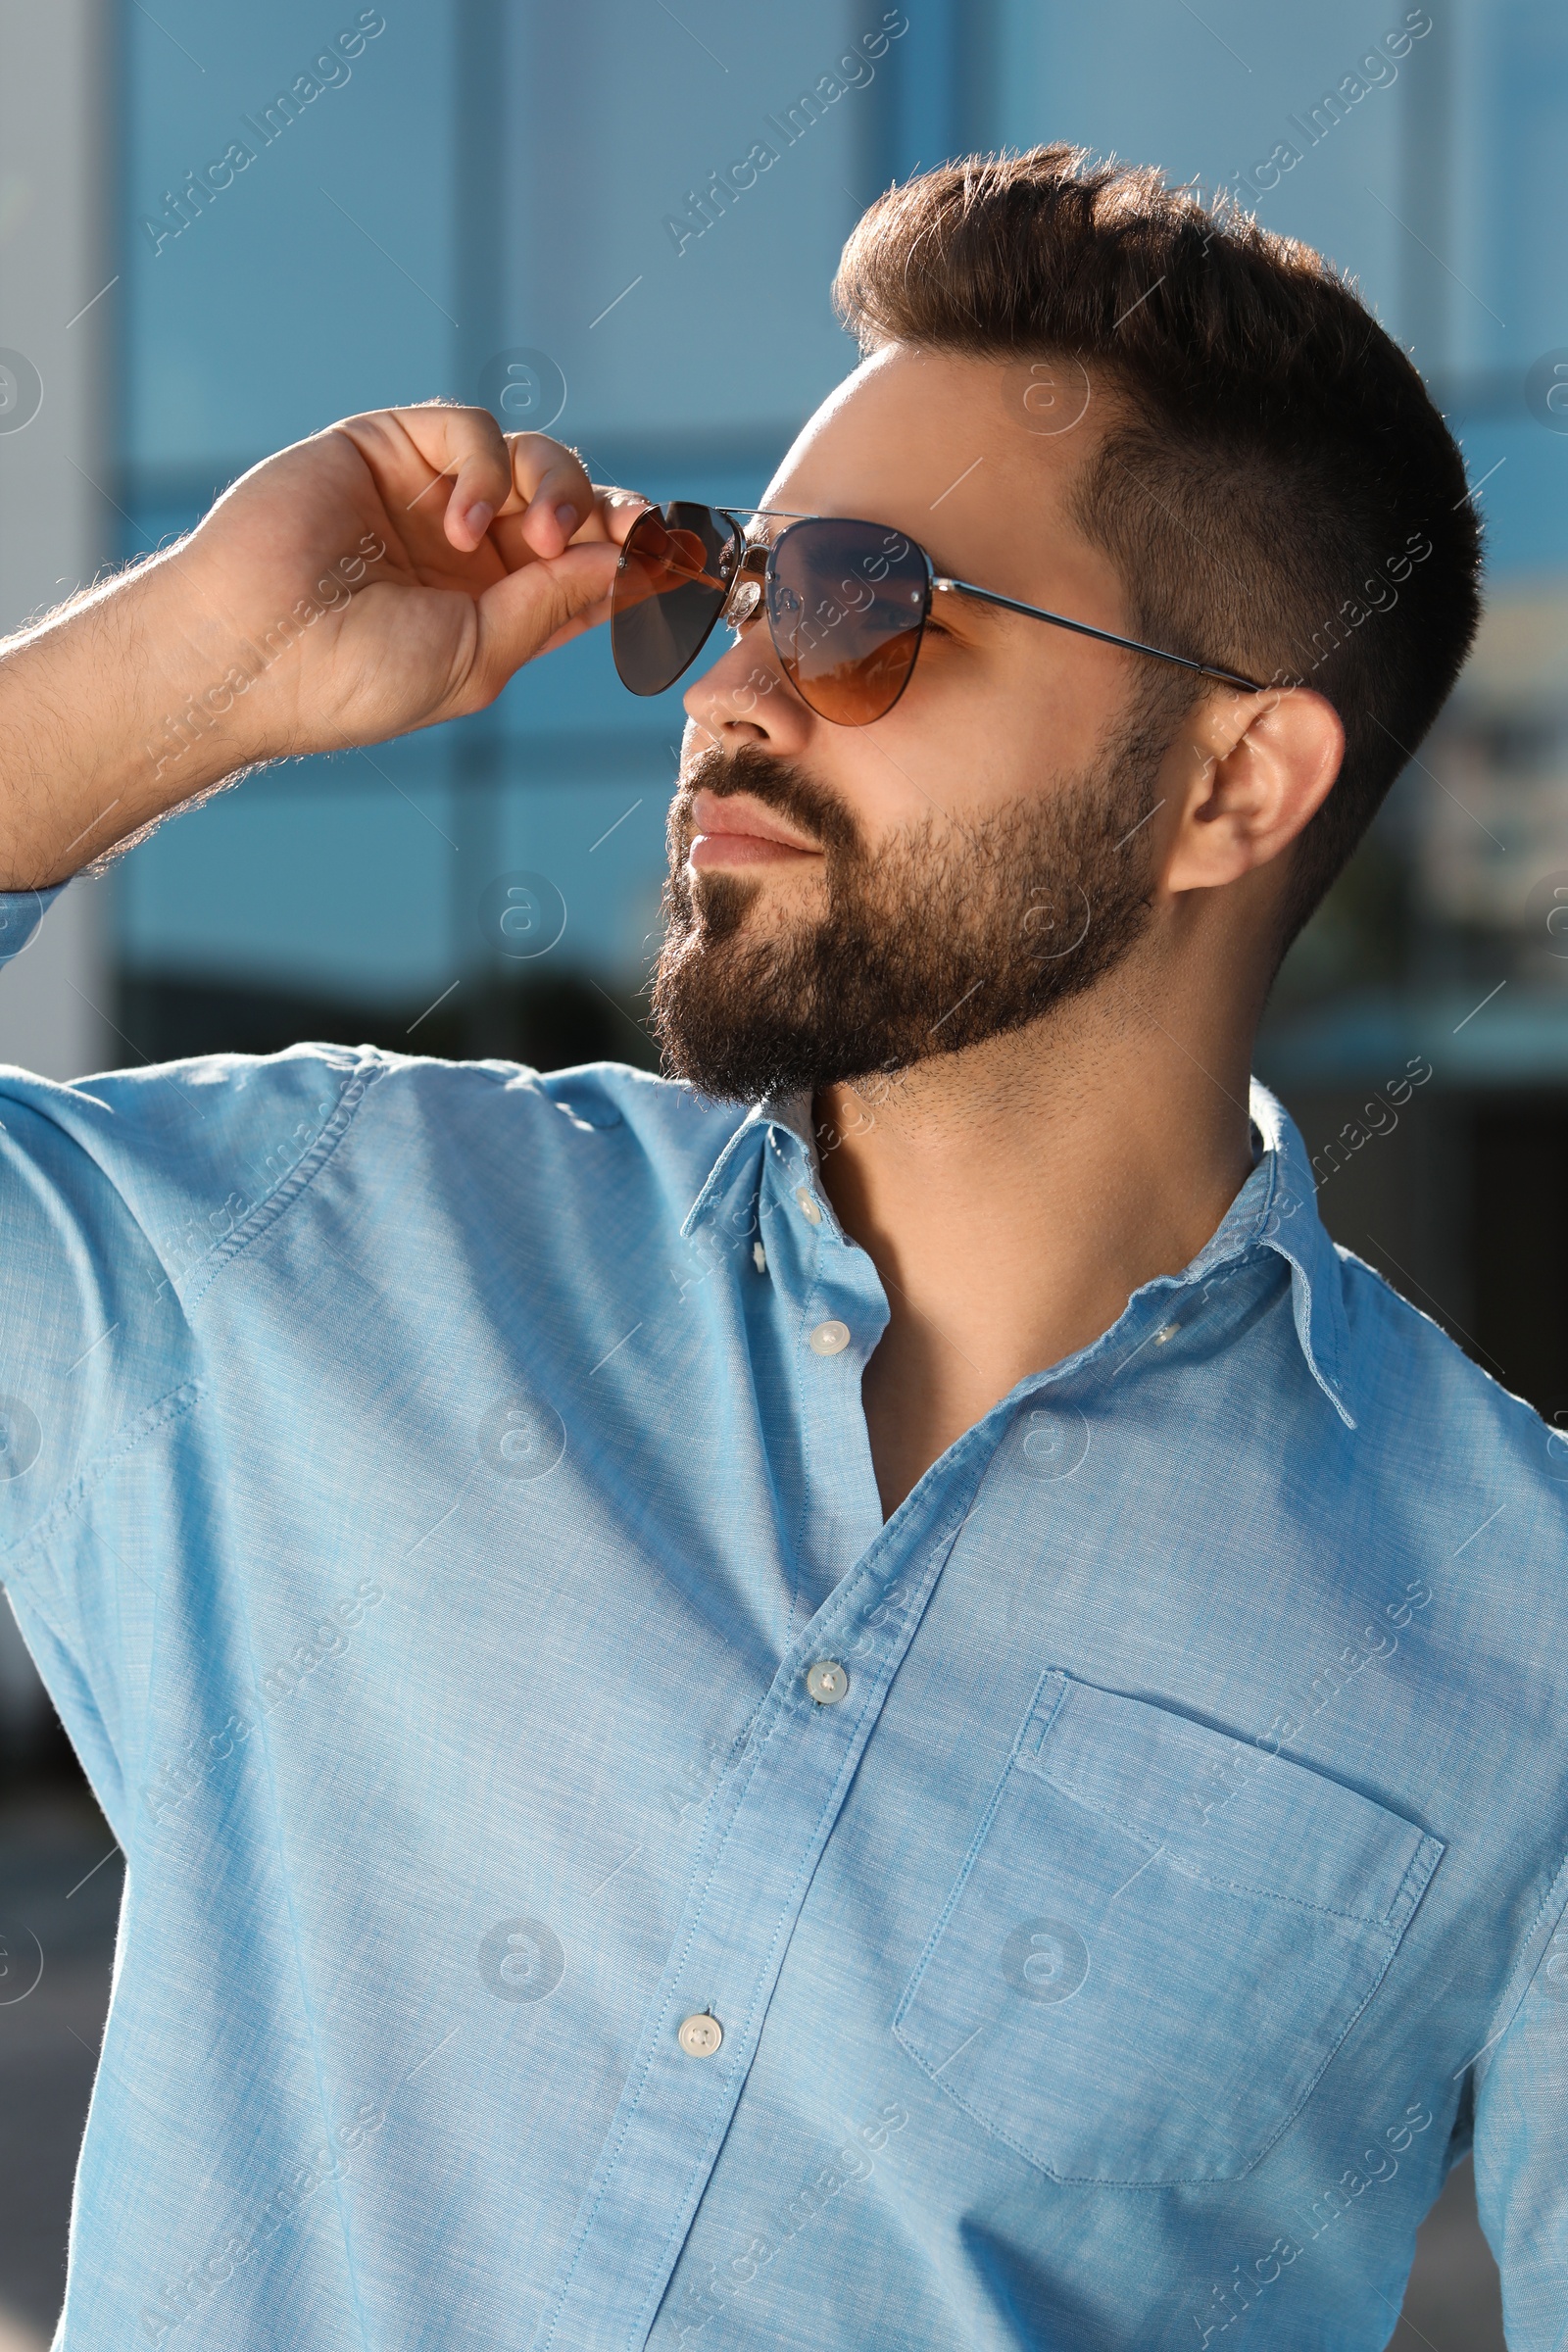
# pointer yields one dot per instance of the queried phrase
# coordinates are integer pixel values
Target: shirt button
(1168, 1332)
(700, 2036)
(808, 1208)
(827, 1682)
(830, 1337)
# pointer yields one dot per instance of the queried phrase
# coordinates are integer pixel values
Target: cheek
(984, 721)
(889, 784)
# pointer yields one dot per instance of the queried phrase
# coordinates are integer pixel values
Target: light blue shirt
(429, 1489)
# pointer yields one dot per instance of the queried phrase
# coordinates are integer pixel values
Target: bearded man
(862, 1695)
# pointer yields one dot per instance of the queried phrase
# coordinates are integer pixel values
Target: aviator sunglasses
(847, 604)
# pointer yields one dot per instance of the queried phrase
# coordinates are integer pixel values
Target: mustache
(777, 784)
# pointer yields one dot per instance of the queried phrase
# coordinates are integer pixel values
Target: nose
(745, 697)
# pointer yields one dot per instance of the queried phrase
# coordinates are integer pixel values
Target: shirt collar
(1276, 1210)
(789, 1114)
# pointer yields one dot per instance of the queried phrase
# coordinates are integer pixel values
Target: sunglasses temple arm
(1082, 628)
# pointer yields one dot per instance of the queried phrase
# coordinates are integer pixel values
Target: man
(915, 1717)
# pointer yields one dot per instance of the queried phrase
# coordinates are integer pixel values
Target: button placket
(818, 1279)
(758, 1849)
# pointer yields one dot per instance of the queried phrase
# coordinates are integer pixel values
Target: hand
(392, 571)
(388, 574)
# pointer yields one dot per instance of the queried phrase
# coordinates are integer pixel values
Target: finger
(610, 519)
(423, 445)
(615, 512)
(536, 606)
(611, 513)
(552, 489)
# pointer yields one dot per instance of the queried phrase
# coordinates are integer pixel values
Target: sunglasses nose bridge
(746, 585)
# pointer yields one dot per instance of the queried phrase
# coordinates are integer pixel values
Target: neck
(1013, 1196)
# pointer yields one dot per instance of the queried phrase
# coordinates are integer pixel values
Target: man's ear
(1251, 771)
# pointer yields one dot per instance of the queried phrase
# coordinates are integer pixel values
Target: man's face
(956, 867)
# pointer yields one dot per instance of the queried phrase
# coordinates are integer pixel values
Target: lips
(739, 831)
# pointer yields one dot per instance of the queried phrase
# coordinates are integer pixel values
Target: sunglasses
(847, 604)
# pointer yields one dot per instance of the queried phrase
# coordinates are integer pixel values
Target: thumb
(519, 614)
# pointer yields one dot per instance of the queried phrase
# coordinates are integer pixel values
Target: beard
(932, 941)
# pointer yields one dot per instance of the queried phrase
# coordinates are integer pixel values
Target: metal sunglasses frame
(756, 563)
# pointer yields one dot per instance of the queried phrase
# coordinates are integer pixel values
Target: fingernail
(567, 517)
(479, 514)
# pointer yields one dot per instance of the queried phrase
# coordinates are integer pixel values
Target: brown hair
(1278, 492)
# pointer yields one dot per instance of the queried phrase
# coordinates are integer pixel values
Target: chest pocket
(1134, 1984)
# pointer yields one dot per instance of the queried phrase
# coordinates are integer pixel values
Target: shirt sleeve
(21, 913)
(1521, 2137)
(120, 1197)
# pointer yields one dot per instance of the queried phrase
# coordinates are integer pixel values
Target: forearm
(113, 712)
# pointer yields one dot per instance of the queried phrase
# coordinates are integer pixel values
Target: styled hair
(1277, 491)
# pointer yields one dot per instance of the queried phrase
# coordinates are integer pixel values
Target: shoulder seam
(367, 1068)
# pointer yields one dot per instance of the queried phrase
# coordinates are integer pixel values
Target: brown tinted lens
(670, 585)
(846, 603)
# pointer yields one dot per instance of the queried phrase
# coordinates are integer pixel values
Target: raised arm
(389, 572)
